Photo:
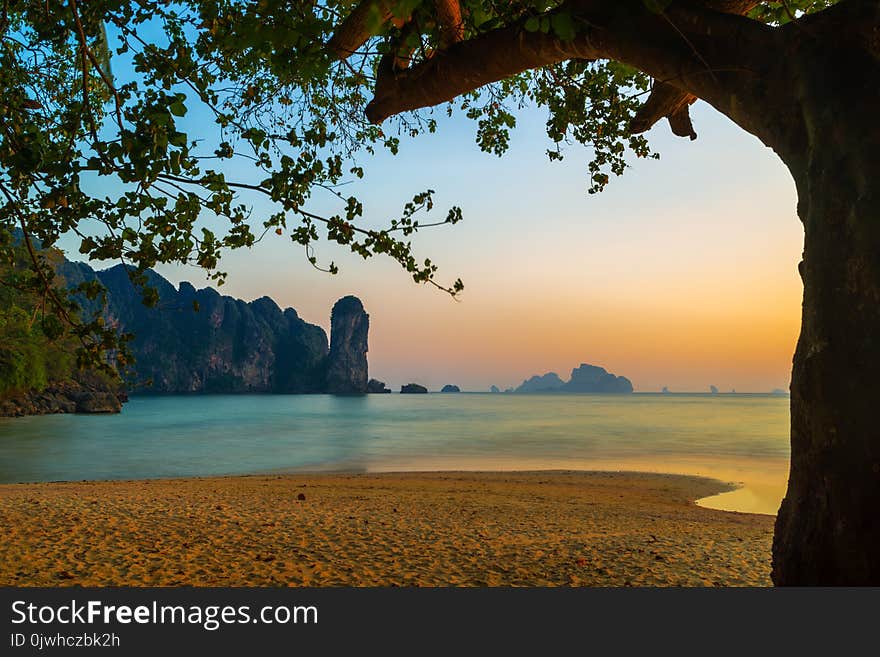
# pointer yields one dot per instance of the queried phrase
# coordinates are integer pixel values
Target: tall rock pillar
(347, 362)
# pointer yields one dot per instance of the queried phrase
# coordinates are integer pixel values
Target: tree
(301, 88)
(809, 89)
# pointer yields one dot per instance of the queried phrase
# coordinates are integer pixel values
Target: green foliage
(34, 348)
(593, 103)
(115, 160)
(782, 12)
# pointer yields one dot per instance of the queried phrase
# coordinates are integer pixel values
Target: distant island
(375, 386)
(549, 382)
(584, 379)
(450, 388)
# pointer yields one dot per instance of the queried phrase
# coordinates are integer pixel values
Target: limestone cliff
(191, 341)
(591, 378)
(227, 345)
(199, 341)
(549, 382)
(586, 378)
(347, 361)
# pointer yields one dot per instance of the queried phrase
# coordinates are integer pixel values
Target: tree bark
(811, 91)
(678, 47)
(828, 527)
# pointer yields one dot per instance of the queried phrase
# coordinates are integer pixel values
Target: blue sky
(683, 273)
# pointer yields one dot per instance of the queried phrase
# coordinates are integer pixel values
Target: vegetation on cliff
(39, 372)
(186, 341)
(34, 349)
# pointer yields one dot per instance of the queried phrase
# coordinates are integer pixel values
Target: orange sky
(683, 273)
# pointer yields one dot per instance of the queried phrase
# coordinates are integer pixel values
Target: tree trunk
(828, 527)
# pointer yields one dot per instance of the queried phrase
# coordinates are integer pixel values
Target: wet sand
(410, 529)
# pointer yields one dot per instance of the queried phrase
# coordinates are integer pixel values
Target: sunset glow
(683, 273)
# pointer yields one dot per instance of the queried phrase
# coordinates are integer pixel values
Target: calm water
(741, 438)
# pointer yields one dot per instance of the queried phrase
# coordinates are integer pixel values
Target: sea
(737, 438)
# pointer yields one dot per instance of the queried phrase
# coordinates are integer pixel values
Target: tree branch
(847, 23)
(674, 104)
(468, 65)
(448, 14)
(680, 121)
(693, 49)
(666, 100)
(366, 20)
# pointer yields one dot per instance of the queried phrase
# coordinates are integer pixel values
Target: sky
(682, 273)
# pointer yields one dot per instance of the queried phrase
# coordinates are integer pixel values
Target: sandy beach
(412, 529)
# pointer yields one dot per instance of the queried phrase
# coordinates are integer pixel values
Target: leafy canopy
(106, 157)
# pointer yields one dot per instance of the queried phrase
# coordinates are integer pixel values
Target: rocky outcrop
(450, 388)
(494, 389)
(347, 362)
(96, 402)
(64, 397)
(584, 379)
(591, 378)
(199, 341)
(413, 389)
(549, 382)
(374, 386)
(189, 341)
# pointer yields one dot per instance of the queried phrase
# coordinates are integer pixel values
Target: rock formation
(196, 341)
(413, 389)
(494, 389)
(713, 390)
(586, 378)
(375, 386)
(549, 382)
(83, 395)
(450, 388)
(228, 345)
(591, 378)
(347, 362)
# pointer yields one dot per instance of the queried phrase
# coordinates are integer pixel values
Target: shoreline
(735, 496)
(459, 528)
